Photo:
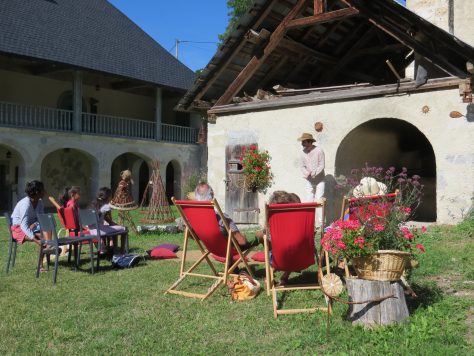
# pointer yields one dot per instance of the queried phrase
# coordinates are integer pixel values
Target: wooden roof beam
(322, 18)
(256, 62)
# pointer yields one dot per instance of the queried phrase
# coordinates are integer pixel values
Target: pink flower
(406, 210)
(359, 240)
(420, 247)
(423, 229)
(379, 227)
(407, 233)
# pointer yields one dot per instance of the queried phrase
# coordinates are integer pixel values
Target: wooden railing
(36, 117)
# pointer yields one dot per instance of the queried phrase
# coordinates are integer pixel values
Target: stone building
(84, 94)
(388, 86)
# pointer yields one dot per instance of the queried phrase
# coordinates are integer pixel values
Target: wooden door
(240, 204)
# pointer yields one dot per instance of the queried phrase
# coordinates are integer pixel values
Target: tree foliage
(237, 9)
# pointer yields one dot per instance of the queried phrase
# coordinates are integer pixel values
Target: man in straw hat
(312, 167)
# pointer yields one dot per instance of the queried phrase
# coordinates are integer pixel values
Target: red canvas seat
(291, 233)
(202, 226)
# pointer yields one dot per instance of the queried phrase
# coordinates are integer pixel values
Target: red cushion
(222, 259)
(259, 256)
(161, 253)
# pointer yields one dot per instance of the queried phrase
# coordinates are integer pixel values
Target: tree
(237, 9)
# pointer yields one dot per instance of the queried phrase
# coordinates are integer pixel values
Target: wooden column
(77, 102)
(158, 114)
(388, 311)
(256, 62)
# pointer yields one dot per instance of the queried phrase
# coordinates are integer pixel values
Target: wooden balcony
(50, 119)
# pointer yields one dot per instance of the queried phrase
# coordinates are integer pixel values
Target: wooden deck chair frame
(219, 278)
(346, 202)
(270, 273)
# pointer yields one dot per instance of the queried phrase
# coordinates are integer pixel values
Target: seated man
(204, 192)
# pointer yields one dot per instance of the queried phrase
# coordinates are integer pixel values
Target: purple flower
(392, 169)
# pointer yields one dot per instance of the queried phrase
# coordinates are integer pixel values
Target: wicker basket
(385, 265)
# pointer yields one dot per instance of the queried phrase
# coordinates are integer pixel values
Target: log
(389, 311)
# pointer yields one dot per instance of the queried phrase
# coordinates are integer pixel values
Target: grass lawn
(126, 311)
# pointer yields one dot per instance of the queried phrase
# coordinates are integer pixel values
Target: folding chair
(12, 243)
(202, 226)
(48, 224)
(89, 218)
(365, 208)
(291, 232)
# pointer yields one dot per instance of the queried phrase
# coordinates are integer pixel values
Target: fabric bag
(125, 261)
(243, 287)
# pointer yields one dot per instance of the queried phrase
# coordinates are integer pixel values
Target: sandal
(43, 270)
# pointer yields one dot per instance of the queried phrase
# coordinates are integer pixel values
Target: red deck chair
(364, 208)
(291, 229)
(202, 226)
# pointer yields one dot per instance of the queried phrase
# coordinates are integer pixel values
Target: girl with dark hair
(70, 198)
(106, 224)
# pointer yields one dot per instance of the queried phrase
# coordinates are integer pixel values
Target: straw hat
(369, 186)
(306, 136)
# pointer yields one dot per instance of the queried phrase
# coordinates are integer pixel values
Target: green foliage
(127, 312)
(237, 9)
(192, 180)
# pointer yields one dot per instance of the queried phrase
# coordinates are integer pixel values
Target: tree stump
(385, 312)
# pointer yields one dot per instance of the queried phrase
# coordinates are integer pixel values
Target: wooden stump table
(385, 312)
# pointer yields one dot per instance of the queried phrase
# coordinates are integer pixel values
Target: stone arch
(389, 142)
(70, 166)
(139, 165)
(12, 169)
(173, 179)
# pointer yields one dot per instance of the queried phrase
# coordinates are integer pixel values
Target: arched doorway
(68, 167)
(173, 180)
(11, 163)
(140, 173)
(392, 142)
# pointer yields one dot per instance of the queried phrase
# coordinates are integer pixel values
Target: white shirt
(312, 164)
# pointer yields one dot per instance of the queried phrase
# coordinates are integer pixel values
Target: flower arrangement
(378, 224)
(256, 169)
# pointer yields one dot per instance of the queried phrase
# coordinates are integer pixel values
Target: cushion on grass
(161, 253)
(222, 259)
(171, 247)
(259, 256)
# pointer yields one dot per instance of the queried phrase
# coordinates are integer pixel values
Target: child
(106, 225)
(70, 198)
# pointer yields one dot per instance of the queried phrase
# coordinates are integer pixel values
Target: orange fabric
(18, 234)
(292, 235)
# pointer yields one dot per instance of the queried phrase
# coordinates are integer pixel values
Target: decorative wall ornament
(425, 109)
(318, 126)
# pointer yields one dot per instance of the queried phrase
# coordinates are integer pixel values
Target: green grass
(126, 311)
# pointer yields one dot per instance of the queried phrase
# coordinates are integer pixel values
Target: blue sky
(185, 20)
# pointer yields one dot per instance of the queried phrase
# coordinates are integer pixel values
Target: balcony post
(77, 102)
(158, 113)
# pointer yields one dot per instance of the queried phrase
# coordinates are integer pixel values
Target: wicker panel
(385, 265)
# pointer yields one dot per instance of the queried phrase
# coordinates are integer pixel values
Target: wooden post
(388, 311)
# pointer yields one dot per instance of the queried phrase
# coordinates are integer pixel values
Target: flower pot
(385, 265)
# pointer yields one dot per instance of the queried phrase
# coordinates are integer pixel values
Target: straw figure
(158, 210)
(123, 201)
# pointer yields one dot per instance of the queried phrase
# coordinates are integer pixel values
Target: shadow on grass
(426, 295)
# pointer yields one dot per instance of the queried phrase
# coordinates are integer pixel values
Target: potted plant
(377, 239)
(256, 169)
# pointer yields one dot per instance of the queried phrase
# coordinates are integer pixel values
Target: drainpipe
(158, 110)
(451, 16)
(77, 102)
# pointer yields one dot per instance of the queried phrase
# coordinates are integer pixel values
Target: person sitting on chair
(281, 197)
(25, 225)
(204, 192)
(106, 224)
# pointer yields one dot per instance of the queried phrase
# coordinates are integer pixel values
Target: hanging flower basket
(384, 265)
(256, 169)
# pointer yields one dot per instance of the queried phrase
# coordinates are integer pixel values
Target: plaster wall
(277, 131)
(94, 154)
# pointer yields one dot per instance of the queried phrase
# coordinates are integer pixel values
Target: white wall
(277, 131)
